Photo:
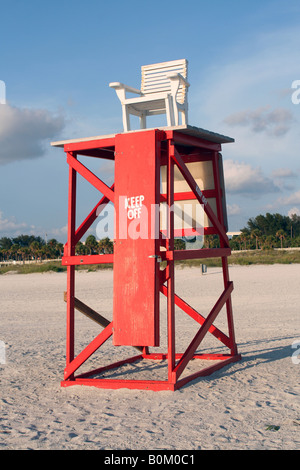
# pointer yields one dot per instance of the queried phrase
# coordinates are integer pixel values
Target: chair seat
(141, 104)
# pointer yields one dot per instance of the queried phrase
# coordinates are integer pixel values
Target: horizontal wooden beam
(180, 138)
(200, 254)
(87, 259)
(189, 195)
(107, 143)
(98, 153)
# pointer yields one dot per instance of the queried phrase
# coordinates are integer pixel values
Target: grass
(54, 266)
(265, 257)
(243, 259)
(249, 258)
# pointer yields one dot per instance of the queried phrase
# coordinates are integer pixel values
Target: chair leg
(126, 118)
(184, 117)
(176, 115)
(143, 121)
(170, 111)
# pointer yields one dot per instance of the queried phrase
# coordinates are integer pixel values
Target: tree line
(264, 232)
(269, 231)
(30, 247)
(261, 232)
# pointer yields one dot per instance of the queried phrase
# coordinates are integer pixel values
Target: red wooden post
(170, 248)
(216, 167)
(71, 269)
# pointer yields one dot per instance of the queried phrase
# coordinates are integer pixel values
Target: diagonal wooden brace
(93, 315)
(198, 317)
(202, 331)
(90, 177)
(88, 351)
(89, 219)
(199, 195)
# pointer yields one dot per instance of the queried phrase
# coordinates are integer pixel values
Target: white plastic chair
(163, 91)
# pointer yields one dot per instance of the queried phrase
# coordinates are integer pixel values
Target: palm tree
(105, 246)
(244, 238)
(81, 249)
(269, 242)
(280, 234)
(25, 253)
(13, 251)
(255, 234)
(60, 249)
(91, 244)
(35, 249)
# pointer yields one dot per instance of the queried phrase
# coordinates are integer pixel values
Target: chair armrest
(177, 76)
(121, 86)
(121, 90)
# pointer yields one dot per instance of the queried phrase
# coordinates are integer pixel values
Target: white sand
(228, 410)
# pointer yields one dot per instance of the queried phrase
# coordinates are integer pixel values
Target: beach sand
(251, 404)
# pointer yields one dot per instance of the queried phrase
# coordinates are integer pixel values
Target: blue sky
(57, 59)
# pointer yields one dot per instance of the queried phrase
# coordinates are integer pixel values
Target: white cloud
(289, 200)
(283, 173)
(58, 232)
(10, 225)
(244, 179)
(293, 211)
(275, 122)
(233, 209)
(24, 133)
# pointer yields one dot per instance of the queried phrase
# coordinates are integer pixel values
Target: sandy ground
(231, 409)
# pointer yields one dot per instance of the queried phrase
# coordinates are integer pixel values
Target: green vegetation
(247, 258)
(29, 247)
(269, 231)
(54, 266)
(255, 245)
(243, 259)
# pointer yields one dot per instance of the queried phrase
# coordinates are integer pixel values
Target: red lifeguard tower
(159, 167)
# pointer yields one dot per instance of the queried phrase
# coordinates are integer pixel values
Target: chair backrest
(154, 77)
